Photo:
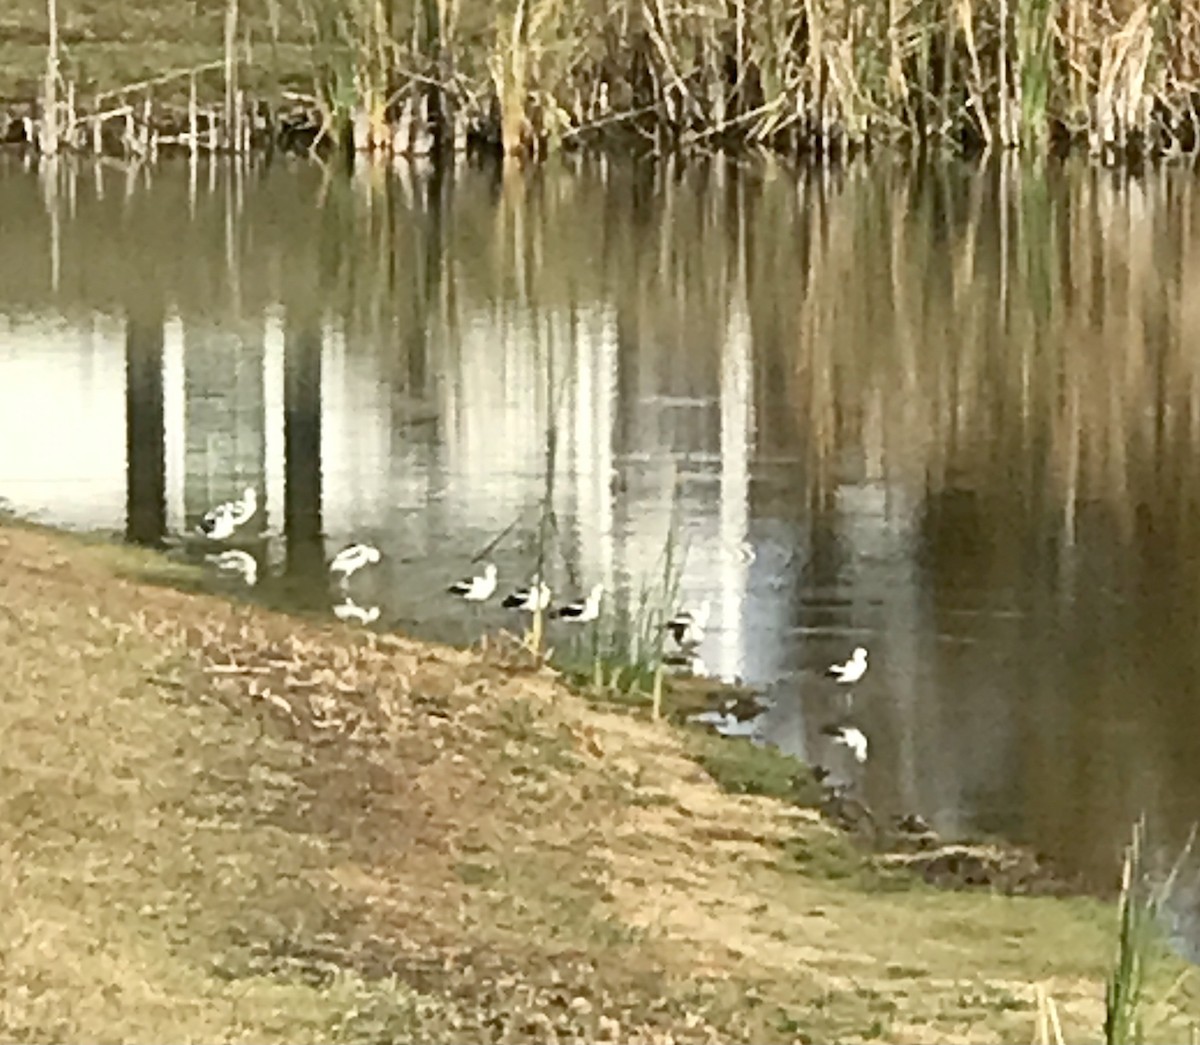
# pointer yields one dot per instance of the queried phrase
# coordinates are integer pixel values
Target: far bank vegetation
(529, 77)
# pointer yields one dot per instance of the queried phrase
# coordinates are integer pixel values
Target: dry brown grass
(224, 824)
(825, 76)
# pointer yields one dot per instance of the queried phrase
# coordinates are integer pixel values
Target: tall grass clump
(621, 655)
(1135, 933)
(1139, 940)
(628, 653)
(1034, 36)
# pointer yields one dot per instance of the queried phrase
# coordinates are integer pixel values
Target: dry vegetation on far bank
(220, 823)
(825, 77)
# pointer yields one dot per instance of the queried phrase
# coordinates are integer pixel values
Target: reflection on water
(954, 415)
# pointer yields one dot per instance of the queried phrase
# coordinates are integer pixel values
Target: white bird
(238, 562)
(351, 610)
(478, 588)
(219, 523)
(687, 626)
(584, 610)
(854, 669)
(535, 597)
(851, 737)
(353, 558)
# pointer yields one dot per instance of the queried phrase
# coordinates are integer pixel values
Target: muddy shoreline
(900, 842)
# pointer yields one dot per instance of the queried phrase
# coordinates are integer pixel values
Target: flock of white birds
(222, 523)
(686, 627)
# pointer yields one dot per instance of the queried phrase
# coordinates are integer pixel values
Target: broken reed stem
(231, 20)
(49, 136)
(69, 132)
(193, 117)
(1048, 1030)
(656, 692)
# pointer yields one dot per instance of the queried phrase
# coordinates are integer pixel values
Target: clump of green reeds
(633, 657)
(1034, 36)
(1139, 938)
(1139, 942)
(628, 652)
(1136, 923)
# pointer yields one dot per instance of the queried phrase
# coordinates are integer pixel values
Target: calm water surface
(955, 414)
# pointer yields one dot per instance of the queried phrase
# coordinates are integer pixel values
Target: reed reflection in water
(955, 413)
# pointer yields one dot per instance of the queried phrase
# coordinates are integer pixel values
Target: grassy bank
(220, 823)
(823, 76)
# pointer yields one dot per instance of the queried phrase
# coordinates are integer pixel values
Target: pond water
(953, 412)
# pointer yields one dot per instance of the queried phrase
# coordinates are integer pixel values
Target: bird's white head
(372, 553)
(250, 495)
(597, 591)
(860, 653)
(489, 571)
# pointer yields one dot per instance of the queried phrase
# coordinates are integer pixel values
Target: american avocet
(350, 610)
(478, 588)
(219, 523)
(687, 626)
(353, 558)
(584, 610)
(851, 737)
(237, 562)
(853, 670)
(535, 597)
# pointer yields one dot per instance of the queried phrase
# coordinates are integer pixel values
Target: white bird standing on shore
(237, 562)
(535, 597)
(851, 671)
(850, 737)
(353, 558)
(478, 588)
(219, 523)
(687, 626)
(584, 610)
(350, 610)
